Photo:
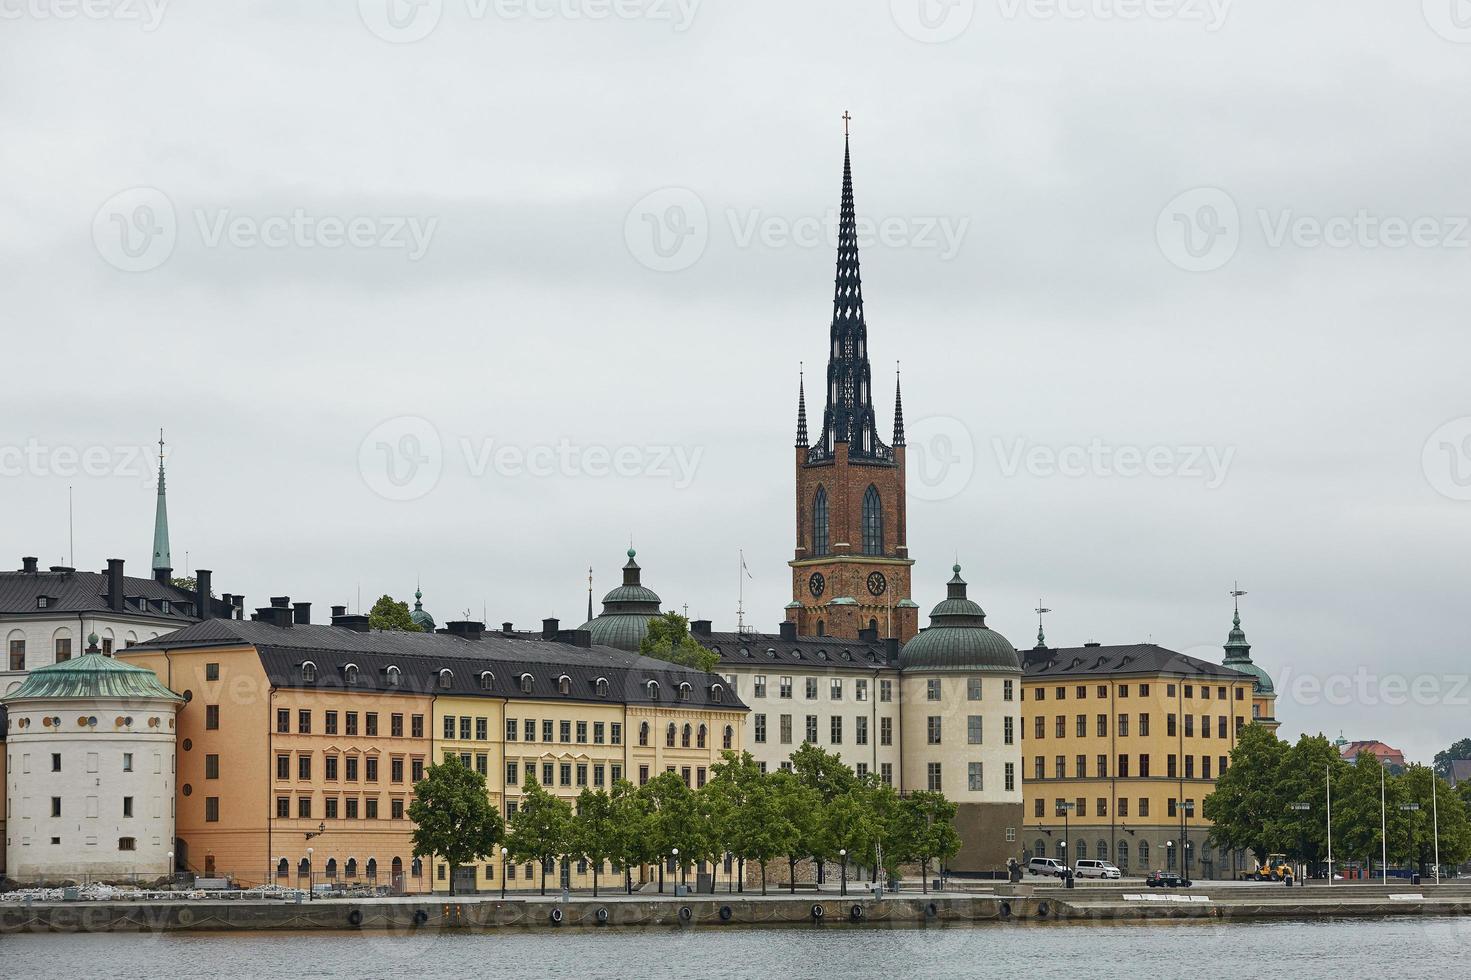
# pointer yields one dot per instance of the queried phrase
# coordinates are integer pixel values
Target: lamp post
(678, 867)
(1187, 810)
(1410, 833)
(310, 896)
(1300, 808)
(170, 859)
(1169, 852)
(1064, 808)
(843, 879)
(505, 853)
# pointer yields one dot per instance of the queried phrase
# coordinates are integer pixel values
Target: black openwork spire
(898, 411)
(849, 417)
(801, 411)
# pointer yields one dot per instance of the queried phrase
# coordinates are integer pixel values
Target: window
(1143, 769)
(1170, 766)
(564, 684)
(860, 730)
(760, 684)
(1039, 727)
(873, 522)
(785, 687)
(212, 809)
(1010, 787)
(304, 766)
(643, 733)
(127, 807)
(309, 672)
(370, 766)
(446, 679)
(653, 690)
(886, 691)
(1221, 726)
(700, 738)
(564, 770)
(1102, 726)
(1102, 763)
(211, 767)
(127, 762)
(212, 717)
(1059, 767)
(812, 729)
(1189, 726)
(599, 732)
(394, 675)
(1008, 730)
(810, 687)
(283, 807)
(972, 688)
(615, 732)
(546, 730)
(564, 731)
(352, 808)
(1123, 767)
(973, 730)
(1144, 726)
(482, 729)
(1081, 766)
(396, 769)
(643, 775)
(416, 726)
(1143, 691)
(599, 773)
(1039, 768)
(933, 777)
(836, 729)
(1143, 812)
(513, 773)
(835, 689)
(973, 777)
(886, 773)
(17, 654)
(63, 648)
(1007, 687)
(786, 729)
(669, 735)
(304, 721)
(352, 723)
(1123, 806)
(932, 689)
(416, 770)
(684, 692)
(932, 729)
(1124, 726)
(449, 728)
(819, 522)
(1081, 726)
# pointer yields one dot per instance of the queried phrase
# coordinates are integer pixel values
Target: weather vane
(1236, 593)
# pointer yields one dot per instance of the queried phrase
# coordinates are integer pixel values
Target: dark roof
(422, 656)
(807, 652)
(83, 592)
(1460, 771)
(1137, 658)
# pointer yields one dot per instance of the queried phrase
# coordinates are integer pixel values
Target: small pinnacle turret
(163, 563)
(801, 410)
(898, 410)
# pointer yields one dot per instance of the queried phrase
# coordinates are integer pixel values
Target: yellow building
(1121, 745)
(300, 743)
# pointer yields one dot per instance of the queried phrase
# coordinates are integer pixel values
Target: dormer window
(350, 674)
(684, 692)
(163, 606)
(652, 687)
(602, 687)
(526, 683)
(564, 684)
(717, 693)
(309, 672)
(446, 678)
(43, 602)
(487, 680)
(394, 676)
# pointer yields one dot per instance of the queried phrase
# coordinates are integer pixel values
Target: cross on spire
(846, 119)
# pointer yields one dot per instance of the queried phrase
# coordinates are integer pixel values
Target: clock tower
(851, 569)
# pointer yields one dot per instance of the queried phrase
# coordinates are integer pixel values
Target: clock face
(816, 584)
(877, 583)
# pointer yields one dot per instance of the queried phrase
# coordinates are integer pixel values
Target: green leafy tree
(1246, 810)
(1306, 765)
(725, 798)
(630, 818)
(594, 836)
(797, 806)
(1458, 750)
(540, 829)
(1441, 816)
(669, 639)
(453, 817)
(390, 614)
(889, 829)
(1357, 813)
(852, 824)
(930, 819)
(675, 820)
(829, 777)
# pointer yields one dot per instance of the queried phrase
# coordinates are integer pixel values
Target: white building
(89, 788)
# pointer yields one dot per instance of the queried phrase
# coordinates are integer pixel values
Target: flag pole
(1328, 789)
(1435, 814)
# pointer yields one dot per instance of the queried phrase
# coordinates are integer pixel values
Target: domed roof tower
(624, 621)
(958, 638)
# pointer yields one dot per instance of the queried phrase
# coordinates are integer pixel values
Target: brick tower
(851, 569)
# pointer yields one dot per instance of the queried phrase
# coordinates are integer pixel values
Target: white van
(1088, 868)
(1047, 866)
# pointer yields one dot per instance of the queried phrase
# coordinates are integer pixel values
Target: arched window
(669, 736)
(1121, 855)
(643, 733)
(352, 867)
(526, 684)
(684, 692)
(303, 868)
(564, 684)
(1169, 857)
(821, 628)
(717, 693)
(331, 867)
(1062, 851)
(487, 680)
(398, 870)
(1144, 855)
(653, 688)
(394, 676)
(1102, 852)
(283, 868)
(684, 736)
(446, 678)
(1082, 850)
(729, 740)
(1039, 848)
(350, 674)
(372, 869)
(700, 738)
(602, 685)
(819, 522)
(873, 522)
(309, 672)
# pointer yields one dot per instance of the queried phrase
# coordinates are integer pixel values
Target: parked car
(1165, 879)
(1048, 866)
(1091, 868)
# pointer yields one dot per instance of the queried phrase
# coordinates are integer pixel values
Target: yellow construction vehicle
(1276, 868)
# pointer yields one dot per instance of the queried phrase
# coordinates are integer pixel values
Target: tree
(540, 828)
(669, 639)
(796, 805)
(1357, 813)
(675, 820)
(930, 821)
(390, 614)
(629, 816)
(594, 835)
(852, 824)
(725, 799)
(452, 815)
(1454, 830)
(1443, 760)
(829, 777)
(1246, 810)
(1304, 833)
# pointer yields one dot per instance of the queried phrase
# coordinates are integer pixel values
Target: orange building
(300, 743)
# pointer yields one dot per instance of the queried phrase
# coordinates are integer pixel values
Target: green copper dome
(627, 610)
(419, 617)
(92, 676)
(958, 638)
(1238, 657)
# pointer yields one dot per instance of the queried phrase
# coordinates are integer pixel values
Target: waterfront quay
(1032, 904)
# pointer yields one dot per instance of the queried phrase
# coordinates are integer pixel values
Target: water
(1411, 948)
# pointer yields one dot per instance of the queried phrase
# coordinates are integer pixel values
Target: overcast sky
(478, 290)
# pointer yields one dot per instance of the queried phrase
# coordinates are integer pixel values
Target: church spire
(801, 409)
(163, 563)
(849, 416)
(898, 409)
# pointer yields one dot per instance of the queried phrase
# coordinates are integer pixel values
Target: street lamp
(843, 880)
(310, 897)
(505, 851)
(1064, 808)
(170, 858)
(1169, 852)
(678, 866)
(1303, 808)
(1187, 810)
(1411, 808)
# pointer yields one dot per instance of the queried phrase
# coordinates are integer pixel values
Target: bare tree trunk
(763, 878)
(595, 880)
(792, 875)
(924, 875)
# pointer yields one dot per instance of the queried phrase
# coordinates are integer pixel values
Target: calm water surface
(1397, 948)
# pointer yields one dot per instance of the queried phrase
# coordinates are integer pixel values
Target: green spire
(1041, 611)
(162, 561)
(1238, 651)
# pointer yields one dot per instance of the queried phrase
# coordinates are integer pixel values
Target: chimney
(891, 647)
(788, 630)
(465, 629)
(577, 638)
(338, 611)
(31, 565)
(281, 601)
(1092, 643)
(163, 576)
(358, 623)
(275, 615)
(700, 627)
(116, 601)
(303, 613)
(202, 584)
(549, 629)
(868, 635)
(506, 628)
(239, 607)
